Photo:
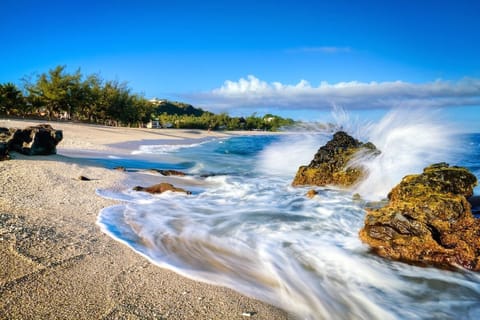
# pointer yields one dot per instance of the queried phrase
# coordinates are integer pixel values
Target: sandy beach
(55, 261)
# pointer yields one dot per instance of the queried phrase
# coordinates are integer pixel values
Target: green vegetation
(178, 108)
(223, 121)
(11, 100)
(59, 95)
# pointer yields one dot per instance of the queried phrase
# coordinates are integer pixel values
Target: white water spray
(283, 158)
(409, 140)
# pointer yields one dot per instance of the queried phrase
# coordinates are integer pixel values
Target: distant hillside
(176, 108)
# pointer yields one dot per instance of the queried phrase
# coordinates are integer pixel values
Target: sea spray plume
(341, 118)
(343, 121)
(283, 157)
(409, 140)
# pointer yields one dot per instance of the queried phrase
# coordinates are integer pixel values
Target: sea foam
(247, 228)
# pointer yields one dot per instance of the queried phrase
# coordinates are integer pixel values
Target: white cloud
(254, 93)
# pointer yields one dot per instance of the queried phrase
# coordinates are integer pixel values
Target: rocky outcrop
(5, 141)
(160, 188)
(428, 220)
(330, 165)
(36, 140)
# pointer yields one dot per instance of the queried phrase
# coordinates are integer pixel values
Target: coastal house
(156, 102)
(154, 124)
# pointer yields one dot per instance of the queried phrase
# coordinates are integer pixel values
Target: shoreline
(102, 137)
(57, 263)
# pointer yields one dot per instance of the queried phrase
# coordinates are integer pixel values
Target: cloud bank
(254, 93)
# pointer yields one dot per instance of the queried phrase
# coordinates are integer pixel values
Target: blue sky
(296, 58)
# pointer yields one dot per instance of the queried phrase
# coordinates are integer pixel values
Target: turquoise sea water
(246, 228)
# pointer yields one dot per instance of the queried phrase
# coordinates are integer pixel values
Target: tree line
(57, 94)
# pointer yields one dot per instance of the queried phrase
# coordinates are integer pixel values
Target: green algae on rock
(428, 220)
(330, 165)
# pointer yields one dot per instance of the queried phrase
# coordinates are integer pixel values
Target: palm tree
(11, 99)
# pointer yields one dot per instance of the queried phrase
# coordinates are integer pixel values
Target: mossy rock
(428, 220)
(330, 165)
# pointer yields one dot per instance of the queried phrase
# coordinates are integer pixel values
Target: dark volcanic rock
(169, 172)
(3, 151)
(36, 140)
(428, 220)
(330, 163)
(5, 142)
(160, 188)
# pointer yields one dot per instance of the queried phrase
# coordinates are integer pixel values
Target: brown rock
(330, 165)
(160, 188)
(311, 193)
(428, 220)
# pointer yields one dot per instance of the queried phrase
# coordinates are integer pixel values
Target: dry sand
(55, 263)
(95, 137)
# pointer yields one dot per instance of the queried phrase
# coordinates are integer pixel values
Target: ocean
(245, 227)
